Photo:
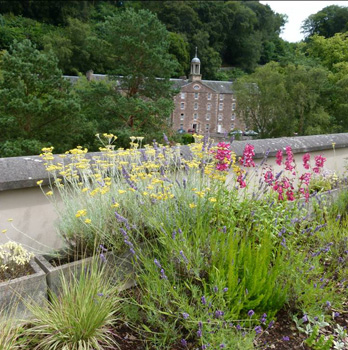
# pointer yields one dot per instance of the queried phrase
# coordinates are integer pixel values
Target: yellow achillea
(212, 199)
(82, 212)
(121, 191)
(88, 221)
(192, 205)
(4, 231)
(49, 193)
(40, 182)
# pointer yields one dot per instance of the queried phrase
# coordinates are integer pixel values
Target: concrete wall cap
(24, 172)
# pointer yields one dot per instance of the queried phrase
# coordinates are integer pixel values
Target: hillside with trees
(301, 88)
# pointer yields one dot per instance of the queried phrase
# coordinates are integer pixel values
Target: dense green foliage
(35, 102)
(327, 22)
(300, 88)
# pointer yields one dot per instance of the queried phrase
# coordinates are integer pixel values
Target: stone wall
(33, 215)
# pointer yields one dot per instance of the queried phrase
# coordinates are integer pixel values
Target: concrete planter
(17, 293)
(121, 268)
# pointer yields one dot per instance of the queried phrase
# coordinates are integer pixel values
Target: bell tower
(195, 73)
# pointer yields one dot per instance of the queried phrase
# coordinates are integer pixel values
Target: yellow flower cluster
(82, 212)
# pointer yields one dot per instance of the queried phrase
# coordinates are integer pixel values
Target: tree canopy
(35, 103)
(327, 22)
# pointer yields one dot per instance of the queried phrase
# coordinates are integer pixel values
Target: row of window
(209, 96)
(195, 106)
(207, 116)
(207, 127)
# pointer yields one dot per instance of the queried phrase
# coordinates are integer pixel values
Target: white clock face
(196, 87)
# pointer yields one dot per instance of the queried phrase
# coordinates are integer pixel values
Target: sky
(297, 12)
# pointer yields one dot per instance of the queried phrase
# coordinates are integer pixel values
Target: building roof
(222, 87)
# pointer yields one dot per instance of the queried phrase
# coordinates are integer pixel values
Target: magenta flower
(269, 177)
(279, 157)
(306, 158)
(248, 154)
(223, 155)
(289, 162)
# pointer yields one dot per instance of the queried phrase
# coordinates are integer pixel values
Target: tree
(179, 48)
(139, 100)
(78, 48)
(36, 105)
(309, 95)
(329, 51)
(327, 22)
(140, 48)
(262, 99)
(280, 101)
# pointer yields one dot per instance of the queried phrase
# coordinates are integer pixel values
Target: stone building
(204, 105)
(201, 106)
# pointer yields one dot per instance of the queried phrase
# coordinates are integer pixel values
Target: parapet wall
(22, 200)
(24, 172)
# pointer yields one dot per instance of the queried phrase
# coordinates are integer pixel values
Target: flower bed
(220, 261)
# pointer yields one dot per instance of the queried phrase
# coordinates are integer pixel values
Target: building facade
(204, 106)
(201, 106)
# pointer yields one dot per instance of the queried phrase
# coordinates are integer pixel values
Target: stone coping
(24, 172)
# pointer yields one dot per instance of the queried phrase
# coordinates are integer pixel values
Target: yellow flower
(88, 221)
(4, 231)
(145, 193)
(121, 191)
(115, 205)
(192, 205)
(40, 182)
(82, 212)
(84, 189)
(49, 193)
(212, 199)
(9, 220)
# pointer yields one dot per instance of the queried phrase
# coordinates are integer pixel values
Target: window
(181, 126)
(183, 95)
(196, 87)
(221, 106)
(196, 95)
(208, 106)
(219, 128)
(195, 107)
(233, 116)
(182, 116)
(220, 116)
(233, 106)
(182, 105)
(195, 116)
(209, 96)
(207, 126)
(232, 126)
(207, 117)
(222, 97)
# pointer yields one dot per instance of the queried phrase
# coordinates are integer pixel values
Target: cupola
(195, 73)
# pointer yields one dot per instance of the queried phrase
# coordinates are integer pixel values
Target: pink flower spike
(247, 159)
(279, 157)
(306, 158)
